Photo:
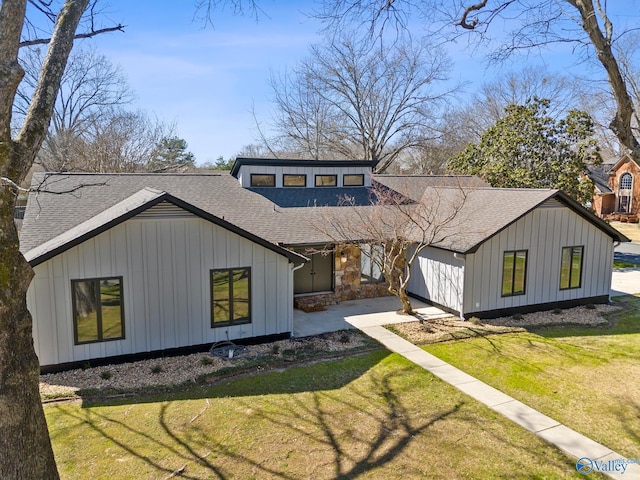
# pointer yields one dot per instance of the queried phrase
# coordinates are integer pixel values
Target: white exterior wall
(438, 275)
(543, 232)
(244, 174)
(165, 265)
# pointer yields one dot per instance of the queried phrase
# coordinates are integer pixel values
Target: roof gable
(129, 208)
(624, 159)
(484, 214)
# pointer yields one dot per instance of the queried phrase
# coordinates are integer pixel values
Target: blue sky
(206, 80)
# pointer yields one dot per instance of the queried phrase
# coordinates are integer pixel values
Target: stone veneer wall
(347, 284)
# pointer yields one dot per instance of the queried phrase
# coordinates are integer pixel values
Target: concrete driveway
(382, 310)
(625, 281)
(365, 312)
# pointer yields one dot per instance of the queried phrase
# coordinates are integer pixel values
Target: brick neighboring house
(617, 190)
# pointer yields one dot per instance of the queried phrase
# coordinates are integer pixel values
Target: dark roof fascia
(292, 256)
(288, 162)
(571, 204)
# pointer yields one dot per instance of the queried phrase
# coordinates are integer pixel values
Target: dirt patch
(445, 329)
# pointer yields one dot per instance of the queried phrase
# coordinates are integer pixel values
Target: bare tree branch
(93, 33)
(467, 11)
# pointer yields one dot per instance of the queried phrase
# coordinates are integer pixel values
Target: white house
(129, 264)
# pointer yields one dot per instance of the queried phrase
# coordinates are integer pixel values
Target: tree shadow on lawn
(383, 428)
(323, 374)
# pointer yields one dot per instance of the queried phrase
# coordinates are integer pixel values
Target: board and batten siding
(244, 175)
(438, 276)
(164, 260)
(543, 233)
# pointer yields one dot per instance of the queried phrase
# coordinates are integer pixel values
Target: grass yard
(587, 378)
(623, 264)
(366, 416)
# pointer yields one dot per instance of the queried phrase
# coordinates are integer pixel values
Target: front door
(316, 275)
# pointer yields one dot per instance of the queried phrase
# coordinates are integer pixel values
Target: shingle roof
(600, 178)
(60, 206)
(414, 186)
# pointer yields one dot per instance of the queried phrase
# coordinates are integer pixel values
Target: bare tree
(583, 24)
(24, 439)
(91, 87)
(360, 98)
(122, 142)
(397, 228)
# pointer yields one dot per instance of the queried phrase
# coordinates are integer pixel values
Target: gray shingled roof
(414, 186)
(600, 178)
(61, 204)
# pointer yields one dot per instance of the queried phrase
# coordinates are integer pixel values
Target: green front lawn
(587, 378)
(367, 416)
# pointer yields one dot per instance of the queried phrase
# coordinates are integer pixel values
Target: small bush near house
(105, 374)
(590, 306)
(275, 350)
(345, 337)
(557, 311)
(474, 321)
(206, 361)
(156, 369)
(517, 316)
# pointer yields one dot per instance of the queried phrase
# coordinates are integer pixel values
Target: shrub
(345, 337)
(475, 321)
(156, 369)
(557, 311)
(517, 316)
(105, 374)
(275, 349)
(590, 306)
(206, 361)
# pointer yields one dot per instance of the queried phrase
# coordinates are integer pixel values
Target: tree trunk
(406, 303)
(396, 290)
(25, 448)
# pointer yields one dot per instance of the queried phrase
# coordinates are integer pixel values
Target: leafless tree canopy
(360, 99)
(583, 25)
(91, 88)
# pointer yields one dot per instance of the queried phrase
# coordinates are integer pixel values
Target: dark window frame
(572, 250)
(231, 321)
(270, 175)
(360, 177)
(99, 326)
(334, 176)
(514, 255)
(284, 179)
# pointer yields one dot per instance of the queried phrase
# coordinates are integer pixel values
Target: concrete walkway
(369, 316)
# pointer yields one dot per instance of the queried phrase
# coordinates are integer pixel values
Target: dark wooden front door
(316, 275)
